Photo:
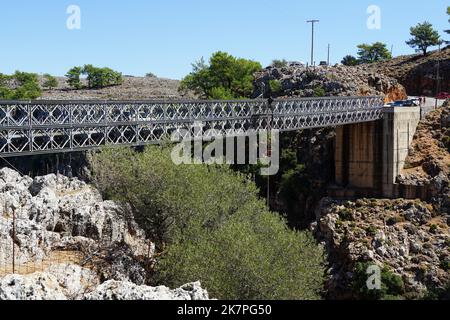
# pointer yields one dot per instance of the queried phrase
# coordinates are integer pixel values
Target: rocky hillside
(417, 73)
(428, 162)
(300, 81)
(408, 239)
(314, 148)
(70, 244)
(133, 88)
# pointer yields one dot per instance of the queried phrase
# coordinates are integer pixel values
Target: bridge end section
(369, 156)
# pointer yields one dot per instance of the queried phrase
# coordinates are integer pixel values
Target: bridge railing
(28, 127)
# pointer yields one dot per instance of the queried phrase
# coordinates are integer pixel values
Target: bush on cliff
(209, 225)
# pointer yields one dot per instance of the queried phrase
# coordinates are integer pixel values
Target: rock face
(54, 214)
(428, 162)
(66, 241)
(417, 73)
(113, 290)
(407, 237)
(50, 286)
(300, 81)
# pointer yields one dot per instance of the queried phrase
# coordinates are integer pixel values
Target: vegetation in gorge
(210, 225)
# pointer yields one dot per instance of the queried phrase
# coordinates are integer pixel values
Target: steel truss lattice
(37, 127)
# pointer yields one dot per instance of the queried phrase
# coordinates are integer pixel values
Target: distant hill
(417, 73)
(133, 88)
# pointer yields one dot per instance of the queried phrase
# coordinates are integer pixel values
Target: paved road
(430, 104)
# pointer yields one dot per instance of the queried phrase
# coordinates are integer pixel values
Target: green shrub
(319, 92)
(252, 256)
(224, 76)
(97, 78)
(101, 77)
(209, 224)
(50, 81)
(279, 63)
(26, 86)
(73, 77)
(276, 86)
(392, 285)
(371, 230)
(346, 215)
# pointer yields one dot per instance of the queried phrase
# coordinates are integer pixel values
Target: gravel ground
(133, 88)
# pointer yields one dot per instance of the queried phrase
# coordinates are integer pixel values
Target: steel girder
(36, 127)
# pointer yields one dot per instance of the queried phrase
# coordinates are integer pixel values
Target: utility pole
(328, 56)
(312, 39)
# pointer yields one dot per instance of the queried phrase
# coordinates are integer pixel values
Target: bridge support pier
(369, 156)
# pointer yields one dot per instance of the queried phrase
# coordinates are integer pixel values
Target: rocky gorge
(64, 242)
(407, 239)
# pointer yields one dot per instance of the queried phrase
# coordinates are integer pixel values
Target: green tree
(251, 256)
(224, 76)
(423, 37)
(101, 77)
(20, 86)
(96, 77)
(50, 81)
(350, 60)
(369, 53)
(279, 63)
(210, 225)
(73, 77)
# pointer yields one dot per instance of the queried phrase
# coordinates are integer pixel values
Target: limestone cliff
(63, 241)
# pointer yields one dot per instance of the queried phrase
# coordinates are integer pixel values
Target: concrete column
(370, 155)
(399, 127)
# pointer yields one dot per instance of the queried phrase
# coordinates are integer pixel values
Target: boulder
(119, 290)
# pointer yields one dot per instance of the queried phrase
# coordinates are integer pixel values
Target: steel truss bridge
(39, 127)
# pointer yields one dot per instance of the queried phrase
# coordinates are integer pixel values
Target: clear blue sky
(166, 36)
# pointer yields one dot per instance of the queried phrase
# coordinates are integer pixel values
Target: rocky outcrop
(428, 161)
(407, 237)
(53, 215)
(114, 290)
(301, 81)
(417, 73)
(69, 282)
(68, 243)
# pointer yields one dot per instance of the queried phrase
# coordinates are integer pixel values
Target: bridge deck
(36, 127)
